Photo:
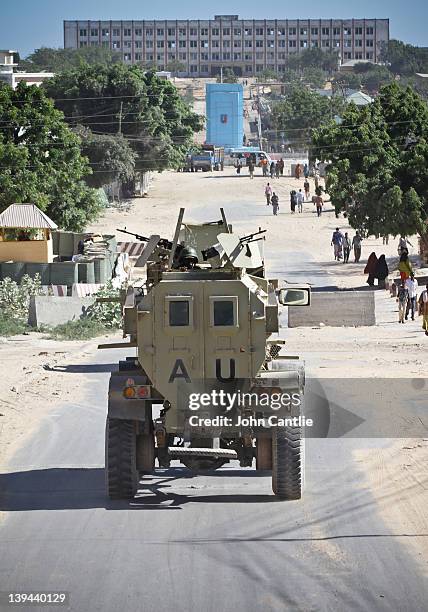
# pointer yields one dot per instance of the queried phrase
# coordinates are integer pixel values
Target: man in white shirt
(300, 199)
(412, 287)
(423, 309)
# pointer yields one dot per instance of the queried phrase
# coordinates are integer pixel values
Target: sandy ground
(27, 388)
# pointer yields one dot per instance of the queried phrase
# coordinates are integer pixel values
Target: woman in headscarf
(381, 271)
(370, 269)
(298, 171)
(405, 267)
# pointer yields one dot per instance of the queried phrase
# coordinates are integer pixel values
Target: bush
(10, 326)
(15, 299)
(108, 314)
(82, 329)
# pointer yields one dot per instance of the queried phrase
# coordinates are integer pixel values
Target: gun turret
(163, 242)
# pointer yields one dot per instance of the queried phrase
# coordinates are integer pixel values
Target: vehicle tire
(263, 453)
(287, 462)
(145, 453)
(121, 459)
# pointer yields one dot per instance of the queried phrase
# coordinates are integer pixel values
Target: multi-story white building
(249, 46)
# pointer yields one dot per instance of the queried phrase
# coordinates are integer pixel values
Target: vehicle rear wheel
(287, 462)
(121, 459)
(263, 453)
(145, 453)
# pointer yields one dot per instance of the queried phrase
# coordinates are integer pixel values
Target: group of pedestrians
(272, 199)
(408, 303)
(275, 169)
(342, 246)
(376, 268)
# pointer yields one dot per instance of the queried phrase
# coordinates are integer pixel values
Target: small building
(10, 76)
(26, 234)
(359, 98)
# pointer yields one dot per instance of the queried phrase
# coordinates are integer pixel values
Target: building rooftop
(25, 216)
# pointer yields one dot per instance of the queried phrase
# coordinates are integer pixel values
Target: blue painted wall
(224, 108)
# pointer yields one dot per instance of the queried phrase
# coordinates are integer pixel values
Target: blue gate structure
(225, 114)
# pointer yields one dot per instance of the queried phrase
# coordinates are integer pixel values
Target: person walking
(306, 187)
(275, 204)
(319, 202)
(268, 193)
(356, 245)
(238, 166)
(272, 170)
(337, 242)
(298, 172)
(423, 309)
(300, 198)
(381, 271)
(370, 269)
(293, 201)
(411, 285)
(346, 248)
(277, 169)
(281, 166)
(306, 171)
(264, 167)
(405, 266)
(402, 245)
(251, 168)
(402, 298)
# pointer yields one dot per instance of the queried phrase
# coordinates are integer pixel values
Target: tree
(57, 60)
(149, 111)
(403, 59)
(41, 160)
(377, 162)
(110, 156)
(374, 78)
(346, 80)
(228, 76)
(315, 77)
(267, 75)
(314, 58)
(175, 66)
(301, 111)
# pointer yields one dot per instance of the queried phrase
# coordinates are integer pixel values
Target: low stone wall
(335, 309)
(53, 310)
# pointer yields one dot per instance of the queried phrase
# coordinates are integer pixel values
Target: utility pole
(120, 118)
(221, 74)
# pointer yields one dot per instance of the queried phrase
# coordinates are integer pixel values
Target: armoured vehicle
(204, 323)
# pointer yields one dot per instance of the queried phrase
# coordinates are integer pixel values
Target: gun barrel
(251, 236)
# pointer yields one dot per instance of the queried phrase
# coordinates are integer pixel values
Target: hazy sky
(29, 24)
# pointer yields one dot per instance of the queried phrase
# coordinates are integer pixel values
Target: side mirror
(295, 296)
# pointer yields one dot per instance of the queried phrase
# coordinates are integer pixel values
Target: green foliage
(110, 156)
(346, 80)
(267, 75)
(314, 58)
(15, 299)
(81, 329)
(378, 160)
(315, 77)
(10, 326)
(228, 76)
(404, 59)
(108, 314)
(58, 60)
(41, 160)
(156, 121)
(302, 110)
(374, 78)
(175, 66)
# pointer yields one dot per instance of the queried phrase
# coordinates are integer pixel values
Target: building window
(149, 32)
(359, 31)
(281, 55)
(303, 31)
(226, 43)
(138, 32)
(193, 44)
(292, 43)
(193, 56)
(138, 57)
(369, 43)
(127, 44)
(115, 44)
(171, 56)
(237, 31)
(281, 31)
(149, 57)
(215, 56)
(369, 55)
(116, 31)
(204, 68)
(325, 43)
(105, 43)
(314, 31)
(248, 56)
(105, 32)
(347, 43)
(127, 31)
(259, 55)
(370, 31)
(193, 69)
(259, 31)
(259, 43)
(205, 56)
(271, 55)
(215, 32)
(159, 44)
(127, 57)
(149, 44)
(347, 31)
(359, 55)
(215, 44)
(171, 31)
(182, 56)
(336, 43)
(314, 44)
(83, 33)
(226, 31)
(226, 56)
(359, 43)
(237, 56)
(182, 44)
(193, 31)
(94, 43)
(259, 67)
(94, 32)
(159, 58)
(303, 44)
(292, 31)
(336, 31)
(248, 31)
(347, 55)
(248, 68)
(325, 31)
(159, 32)
(270, 32)
(237, 44)
(83, 43)
(204, 31)
(271, 44)
(281, 43)
(182, 31)
(248, 43)
(171, 44)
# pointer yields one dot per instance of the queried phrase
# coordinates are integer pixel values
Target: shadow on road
(84, 368)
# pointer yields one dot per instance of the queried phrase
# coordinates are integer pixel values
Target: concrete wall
(52, 310)
(335, 309)
(36, 251)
